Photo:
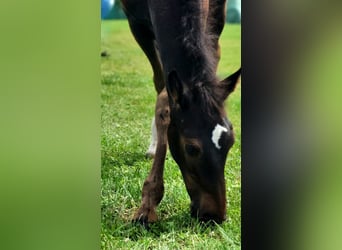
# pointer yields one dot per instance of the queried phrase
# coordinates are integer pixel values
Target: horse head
(200, 136)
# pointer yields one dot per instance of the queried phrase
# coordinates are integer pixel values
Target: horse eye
(192, 150)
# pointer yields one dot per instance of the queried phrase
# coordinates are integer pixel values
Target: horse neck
(180, 32)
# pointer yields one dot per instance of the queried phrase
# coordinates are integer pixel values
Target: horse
(180, 38)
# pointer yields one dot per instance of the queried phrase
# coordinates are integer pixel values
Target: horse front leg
(154, 140)
(153, 188)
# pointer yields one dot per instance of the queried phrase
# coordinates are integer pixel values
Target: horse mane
(198, 45)
(197, 40)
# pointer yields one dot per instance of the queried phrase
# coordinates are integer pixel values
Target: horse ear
(228, 85)
(175, 89)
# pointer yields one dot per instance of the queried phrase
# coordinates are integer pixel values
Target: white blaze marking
(217, 132)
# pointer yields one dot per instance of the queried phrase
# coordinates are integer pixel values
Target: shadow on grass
(130, 79)
(113, 79)
(176, 224)
(128, 158)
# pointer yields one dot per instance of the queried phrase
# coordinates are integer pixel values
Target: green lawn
(127, 106)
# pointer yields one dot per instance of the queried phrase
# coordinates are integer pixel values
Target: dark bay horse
(180, 39)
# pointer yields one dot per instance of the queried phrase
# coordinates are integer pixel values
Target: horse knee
(162, 111)
(153, 190)
(163, 117)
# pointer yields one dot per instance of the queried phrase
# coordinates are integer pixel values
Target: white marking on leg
(216, 135)
(154, 139)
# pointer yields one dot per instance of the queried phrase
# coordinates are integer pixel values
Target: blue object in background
(116, 12)
(106, 7)
(234, 11)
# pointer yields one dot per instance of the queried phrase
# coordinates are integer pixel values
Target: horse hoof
(144, 218)
(143, 221)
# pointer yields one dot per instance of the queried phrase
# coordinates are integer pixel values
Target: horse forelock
(206, 99)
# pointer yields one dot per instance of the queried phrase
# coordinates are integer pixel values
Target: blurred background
(111, 9)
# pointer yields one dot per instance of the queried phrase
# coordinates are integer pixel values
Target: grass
(127, 107)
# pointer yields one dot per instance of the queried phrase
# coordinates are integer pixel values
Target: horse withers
(180, 40)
